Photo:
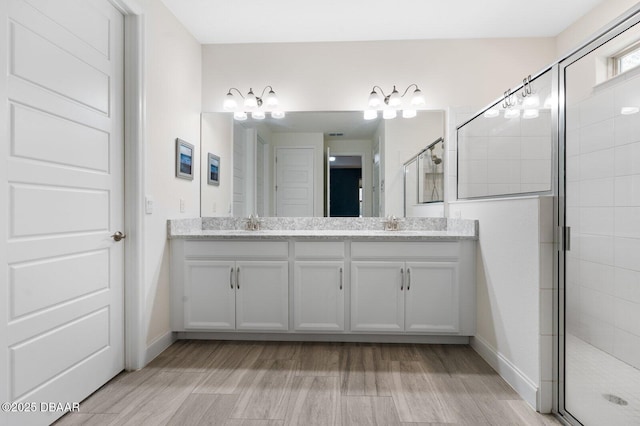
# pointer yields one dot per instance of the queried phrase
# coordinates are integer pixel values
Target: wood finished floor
(292, 383)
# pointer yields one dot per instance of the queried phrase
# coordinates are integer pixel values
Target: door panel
(64, 177)
(377, 302)
(262, 295)
(431, 296)
(210, 295)
(294, 182)
(319, 296)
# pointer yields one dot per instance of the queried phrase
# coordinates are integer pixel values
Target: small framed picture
(184, 159)
(213, 170)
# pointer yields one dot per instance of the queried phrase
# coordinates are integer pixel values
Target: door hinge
(565, 238)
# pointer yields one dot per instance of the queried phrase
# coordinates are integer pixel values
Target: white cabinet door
(318, 294)
(262, 295)
(209, 295)
(377, 299)
(431, 295)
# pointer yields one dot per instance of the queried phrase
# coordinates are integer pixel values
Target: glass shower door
(602, 209)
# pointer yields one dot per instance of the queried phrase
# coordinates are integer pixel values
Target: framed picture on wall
(213, 170)
(184, 159)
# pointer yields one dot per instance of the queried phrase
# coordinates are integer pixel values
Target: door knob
(118, 236)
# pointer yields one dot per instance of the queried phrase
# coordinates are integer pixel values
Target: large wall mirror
(310, 163)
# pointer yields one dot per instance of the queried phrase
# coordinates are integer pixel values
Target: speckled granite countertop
(411, 229)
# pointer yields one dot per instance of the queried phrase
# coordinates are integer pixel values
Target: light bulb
(271, 100)
(530, 113)
(240, 115)
(374, 99)
(332, 158)
(370, 114)
(230, 102)
(395, 99)
(531, 101)
(389, 113)
(418, 98)
(409, 113)
(491, 113)
(257, 115)
(511, 113)
(277, 114)
(629, 110)
(250, 101)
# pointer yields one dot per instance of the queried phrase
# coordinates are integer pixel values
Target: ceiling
(280, 21)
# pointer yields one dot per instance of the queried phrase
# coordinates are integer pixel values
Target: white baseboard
(159, 345)
(321, 337)
(523, 385)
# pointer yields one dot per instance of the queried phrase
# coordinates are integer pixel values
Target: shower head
(436, 160)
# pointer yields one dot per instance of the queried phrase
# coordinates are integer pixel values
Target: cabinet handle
(340, 278)
(231, 278)
(408, 278)
(401, 279)
(238, 278)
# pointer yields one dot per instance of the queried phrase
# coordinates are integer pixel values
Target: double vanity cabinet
(340, 284)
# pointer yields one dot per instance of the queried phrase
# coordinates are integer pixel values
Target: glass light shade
(389, 113)
(511, 113)
(409, 113)
(370, 114)
(491, 113)
(531, 101)
(417, 99)
(332, 158)
(258, 115)
(230, 102)
(271, 99)
(250, 100)
(240, 115)
(374, 99)
(629, 110)
(528, 114)
(277, 114)
(395, 99)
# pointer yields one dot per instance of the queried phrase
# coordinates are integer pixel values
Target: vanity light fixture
(392, 103)
(257, 106)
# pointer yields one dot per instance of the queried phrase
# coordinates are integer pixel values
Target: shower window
(507, 149)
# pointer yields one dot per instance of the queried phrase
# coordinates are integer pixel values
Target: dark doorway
(345, 186)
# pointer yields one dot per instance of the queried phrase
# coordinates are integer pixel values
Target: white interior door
(294, 182)
(63, 311)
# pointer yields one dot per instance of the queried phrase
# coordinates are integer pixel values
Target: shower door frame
(612, 30)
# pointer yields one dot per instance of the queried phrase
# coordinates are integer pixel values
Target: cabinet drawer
(404, 250)
(319, 250)
(237, 249)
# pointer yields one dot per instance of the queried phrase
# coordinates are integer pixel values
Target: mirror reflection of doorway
(345, 186)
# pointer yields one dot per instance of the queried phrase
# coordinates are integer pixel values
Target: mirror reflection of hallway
(345, 186)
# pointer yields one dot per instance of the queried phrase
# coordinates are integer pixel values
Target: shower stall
(599, 208)
(573, 132)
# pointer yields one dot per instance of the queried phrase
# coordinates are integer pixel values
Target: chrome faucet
(253, 223)
(391, 223)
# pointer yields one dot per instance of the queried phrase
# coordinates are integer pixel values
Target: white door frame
(134, 172)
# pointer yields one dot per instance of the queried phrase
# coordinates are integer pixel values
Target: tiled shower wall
(603, 210)
(506, 156)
